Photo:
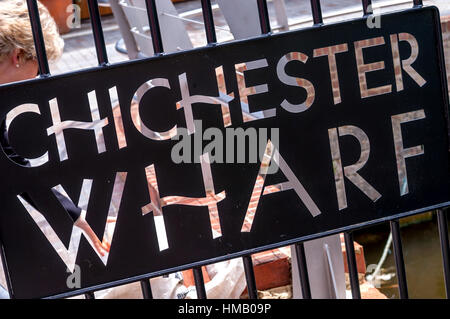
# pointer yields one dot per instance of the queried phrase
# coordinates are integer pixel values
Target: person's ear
(16, 57)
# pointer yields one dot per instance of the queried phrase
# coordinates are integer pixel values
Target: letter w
(69, 255)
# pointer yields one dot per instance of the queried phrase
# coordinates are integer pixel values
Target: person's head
(17, 52)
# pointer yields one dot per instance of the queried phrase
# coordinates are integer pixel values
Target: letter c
(11, 116)
(141, 127)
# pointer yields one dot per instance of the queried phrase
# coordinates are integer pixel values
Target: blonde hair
(15, 30)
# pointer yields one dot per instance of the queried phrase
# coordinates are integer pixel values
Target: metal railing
(247, 260)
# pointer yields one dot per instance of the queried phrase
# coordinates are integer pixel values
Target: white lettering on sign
(350, 171)
(364, 68)
(59, 126)
(331, 52)
(255, 90)
(22, 109)
(292, 183)
(187, 100)
(405, 64)
(226, 99)
(238, 93)
(292, 81)
(157, 203)
(69, 254)
(402, 153)
(137, 121)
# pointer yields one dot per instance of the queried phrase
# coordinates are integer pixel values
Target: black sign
(222, 151)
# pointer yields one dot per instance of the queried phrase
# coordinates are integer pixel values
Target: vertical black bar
(418, 3)
(352, 268)
(250, 277)
(199, 283)
(97, 30)
(399, 262)
(154, 26)
(38, 37)
(443, 236)
(209, 21)
(146, 289)
(316, 12)
(89, 295)
(303, 270)
(264, 19)
(366, 4)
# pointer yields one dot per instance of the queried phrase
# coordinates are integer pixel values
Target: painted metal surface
(306, 201)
